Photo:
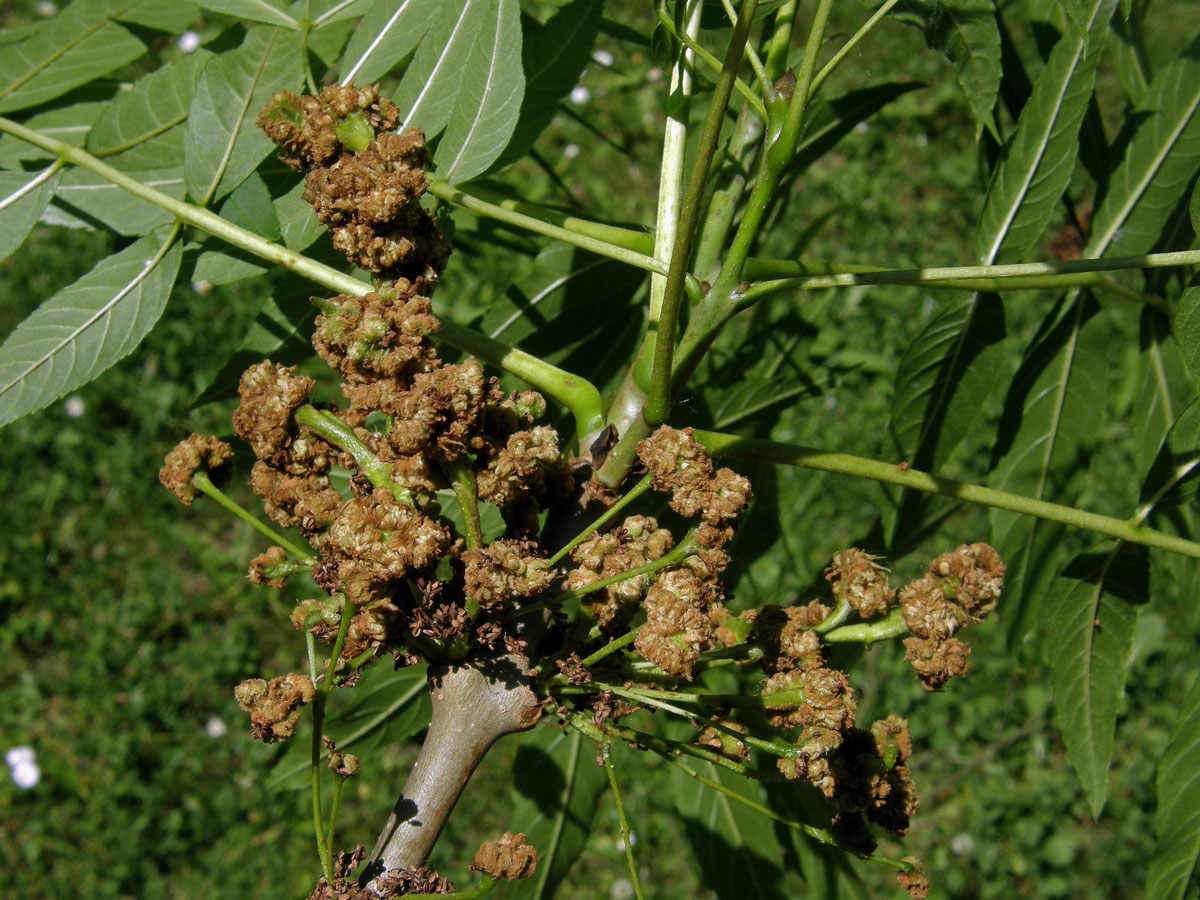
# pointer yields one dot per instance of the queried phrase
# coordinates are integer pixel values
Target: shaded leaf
(171, 16)
(427, 93)
(1187, 327)
(298, 223)
(326, 12)
(488, 100)
(966, 32)
(735, 848)
(386, 707)
(1037, 162)
(388, 32)
(86, 327)
(556, 788)
(1159, 163)
(156, 102)
(1164, 389)
(250, 206)
(553, 56)
(87, 200)
(1095, 602)
(1177, 821)
(163, 151)
(80, 43)
(945, 375)
(1194, 209)
(270, 11)
(1051, 420)
(23, 196)
(223, 145)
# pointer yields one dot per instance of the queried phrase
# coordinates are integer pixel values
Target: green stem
(723, 206)
(611, 771)
(890, 626)
(847, 47)
(341, 435)
(607, 516)
(752, 99)
(659, 398)
(780, 41)
(318, 709)
(462, 480)
(750, 449)
(338, 783)
(840, 615)
(962, 276)
(760, 71)
(203, 483)
(509, 212)
(611, 647)
(576, 393)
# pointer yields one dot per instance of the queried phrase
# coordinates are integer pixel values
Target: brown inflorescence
(274, 706)
(914, 880)
(858, 579)
(262, 568)
(679, 624)
(190, 456)
(307, 128)
(381, 335)
(504, 569)
(509, 857)
(681, 466)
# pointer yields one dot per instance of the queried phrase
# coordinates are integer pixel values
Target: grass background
(125, 620)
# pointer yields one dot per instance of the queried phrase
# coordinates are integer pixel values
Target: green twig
(890, 626)
(734, 447)
(752, 99)
(626, 838)
(611, 647)
(658, 401)
(845, 49)
(607, 516)
(203, 483)
(338, 433)
(462, 480)
(760, 71)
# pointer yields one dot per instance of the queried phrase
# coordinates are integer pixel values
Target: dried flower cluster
(398, 883)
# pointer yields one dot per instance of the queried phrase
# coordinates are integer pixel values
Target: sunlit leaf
(155, 103)
(556, 786)
(1159, 164)
(427, 93)
(554, 55)
(1177, 854)
(23, 196)
(1093, 609)
(388, 32)
(86, 327)
(272, 13)
(69, 124)
(488, 100)
(223, 145)
(298, 223)
(87, 200)
(80, 43)
(1039, 159)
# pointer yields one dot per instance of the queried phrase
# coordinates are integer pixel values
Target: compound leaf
(87, 200)
(23, 197)
(388, 32)
(1095, 602)
(223, 145)
(488, 101)
(1177, 821)
(86, 327)
(80, 43)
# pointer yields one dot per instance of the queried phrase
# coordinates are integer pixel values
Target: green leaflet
(735, 848)
(427, 93)
(1194, 209)
(388, 32)
(1159, 164)
(86, 327)
(325, 12)
(69, 124)
(554, 55)
(23, 196)
(1171, 482)
(87, 200)
(80, 43)
(1095, 604)
(155, 103)
(1163, 386)
(1052, 417)
(171, 16)
(386, 707)
(163, 151)
(1038, 160)
(966, 32)
(945, 375)
(828, 121)
(249, 206)
(272, 13)
(1187, 327)
(487, 103)
(223, 145)
(298, 223)
(1173, 866)
(556, 788)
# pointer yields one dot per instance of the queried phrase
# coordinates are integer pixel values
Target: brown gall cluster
(274, 705)
(396, 883)
(962, 587)
(508, 857)
(636, 543)
(191, 455)
(364, 182)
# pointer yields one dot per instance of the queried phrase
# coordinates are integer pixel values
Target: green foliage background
(124, 623)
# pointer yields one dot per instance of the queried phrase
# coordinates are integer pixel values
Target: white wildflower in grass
(580, 95)
(46, 9)
(215, 727)
(23, 767)
(188, 42)
(621, 889)
(203, 288)
(571, 151)
(74, 406)
(603, 58)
